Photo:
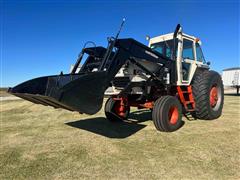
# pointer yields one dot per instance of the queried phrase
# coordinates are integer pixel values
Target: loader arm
(84, 91)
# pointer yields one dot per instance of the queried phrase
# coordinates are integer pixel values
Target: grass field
(39, 142)
(3, 92)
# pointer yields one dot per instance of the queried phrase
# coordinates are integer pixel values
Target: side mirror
(208, 63)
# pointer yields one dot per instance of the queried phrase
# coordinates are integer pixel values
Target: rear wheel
(167, 114)
(115, 110)
(208, 95)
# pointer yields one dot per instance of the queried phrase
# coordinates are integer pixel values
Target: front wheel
(167, 114)
(115, 111)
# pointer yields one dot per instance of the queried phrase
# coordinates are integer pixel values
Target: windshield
(165, 48)
(199, 54)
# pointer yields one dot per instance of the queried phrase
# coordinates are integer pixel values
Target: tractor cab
(188, 53)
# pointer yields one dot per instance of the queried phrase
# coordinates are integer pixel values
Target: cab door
(188, 61)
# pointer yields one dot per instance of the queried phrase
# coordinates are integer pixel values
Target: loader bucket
(82, 92)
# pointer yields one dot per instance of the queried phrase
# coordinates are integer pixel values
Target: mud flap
(75, 92)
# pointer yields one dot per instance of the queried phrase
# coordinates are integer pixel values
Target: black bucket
(75, 92)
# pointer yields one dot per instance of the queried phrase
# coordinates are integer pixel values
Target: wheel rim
(213, 96)
(173, 115)
(120, 110)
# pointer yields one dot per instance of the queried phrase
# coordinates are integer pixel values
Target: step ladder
(186, 96)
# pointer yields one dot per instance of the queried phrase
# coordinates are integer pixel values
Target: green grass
(3, 92)
(39, 142)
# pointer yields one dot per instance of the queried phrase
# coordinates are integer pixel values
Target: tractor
(170, 77)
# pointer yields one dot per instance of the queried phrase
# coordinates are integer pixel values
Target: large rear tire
(167, 114)
(208, 94)
(112, 110)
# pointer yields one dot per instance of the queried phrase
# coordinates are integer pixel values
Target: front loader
(170, 77)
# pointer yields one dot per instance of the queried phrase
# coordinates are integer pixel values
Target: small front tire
(112, 110)
(167, 114)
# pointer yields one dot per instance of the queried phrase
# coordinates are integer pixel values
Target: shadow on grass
(102, 126)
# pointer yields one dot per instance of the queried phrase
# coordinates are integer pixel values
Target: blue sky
(45, 37)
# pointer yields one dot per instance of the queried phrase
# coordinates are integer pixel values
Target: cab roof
(169, 36)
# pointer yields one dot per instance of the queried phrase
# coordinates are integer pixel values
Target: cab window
(168, 52)
(187, 49)
(199, 53)
(164, 48)
(159, 49)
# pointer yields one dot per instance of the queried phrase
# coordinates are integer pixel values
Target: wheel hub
(213, 96)
(120, 108)
(173, 115)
